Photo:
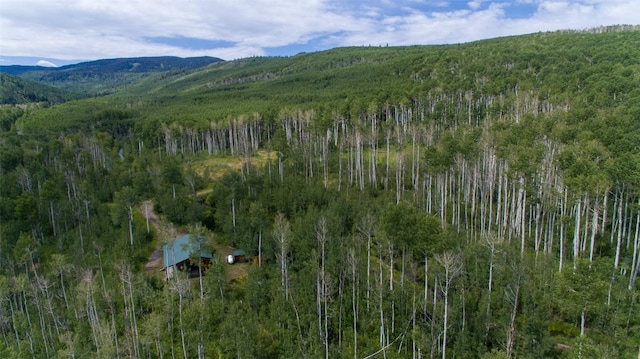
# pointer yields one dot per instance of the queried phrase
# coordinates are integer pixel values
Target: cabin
(237, 256)
(176, 255)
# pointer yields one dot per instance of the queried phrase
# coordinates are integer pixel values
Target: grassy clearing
(215, 167)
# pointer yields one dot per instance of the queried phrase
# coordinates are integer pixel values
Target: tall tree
(281, 233)
(452, 264)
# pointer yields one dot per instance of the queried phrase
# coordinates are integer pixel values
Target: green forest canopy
(471, 200)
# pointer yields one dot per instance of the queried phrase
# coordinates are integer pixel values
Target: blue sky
(66, 31)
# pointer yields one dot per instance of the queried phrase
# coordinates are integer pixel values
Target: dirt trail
(155, 259)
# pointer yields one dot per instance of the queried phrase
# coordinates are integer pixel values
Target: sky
(59, 32)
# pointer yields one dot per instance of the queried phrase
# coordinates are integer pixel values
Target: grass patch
(214, 167)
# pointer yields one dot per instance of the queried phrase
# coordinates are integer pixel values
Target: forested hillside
(476, 200)
(103, 77)
(16, 91)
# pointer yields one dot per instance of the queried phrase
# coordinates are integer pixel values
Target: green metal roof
(238, 252)
(178, 250)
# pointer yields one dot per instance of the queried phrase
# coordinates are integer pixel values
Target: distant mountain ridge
(130, 64)
(101, 77)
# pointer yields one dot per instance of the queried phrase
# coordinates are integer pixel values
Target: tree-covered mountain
(15, 90)
(105, 76)
(476, 200)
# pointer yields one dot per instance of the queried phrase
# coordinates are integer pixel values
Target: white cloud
(91, 29)
(474, 5)
(462, 25)
(46, 63)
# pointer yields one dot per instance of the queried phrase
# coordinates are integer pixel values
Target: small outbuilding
(177, 255)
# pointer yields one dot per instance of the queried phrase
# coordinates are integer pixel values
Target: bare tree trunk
(563, 213)
(452, 264)
(353, 261)
(513, 297)
(576, 235)
(260, 248)
(322, 290)
(131, 225)
(619, 241)
(282, 232)
(181, 286)
(594, 229)
(367, 227)
(491, 242)
(635, 266)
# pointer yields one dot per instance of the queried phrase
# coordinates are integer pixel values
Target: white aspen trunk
(233, 213)
(522, 219)
(446, 315)
(281, 169)
(133, 315)
(492, 247)
(604, 211)
(619, 242)
(452, 267)
(505, 208)
(614, 220)
(563, 212)
(42, 321)
(368, 271)
(435, 303)
(414, 159)
(367, 228)
(582, 321)
(390, 266)
(413, 312)
(184, 346)
(635, 267)
(350, 161)
(131, 225)
(15, 327)
(146, 214)
(512, 216)
(386, 175)
(512, 323)
(443, 197)
(281, 232)
(325, 161)
(374, 151)
(428, 182)
(323, 315)
(426, 282)
(260, 248)
(404, 250)
(360, 160)
(627, 231)
(53, 218)
(380, 290)
(586, 208)
(354, 280)
(499, 203)
(492, 186)
(399, 181)
(537, 235)
(319, 305)
(576, 235)
(594, 229)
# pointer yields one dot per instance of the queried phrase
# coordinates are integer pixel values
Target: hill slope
(107, 75)
(558, 64)
(15, 90)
